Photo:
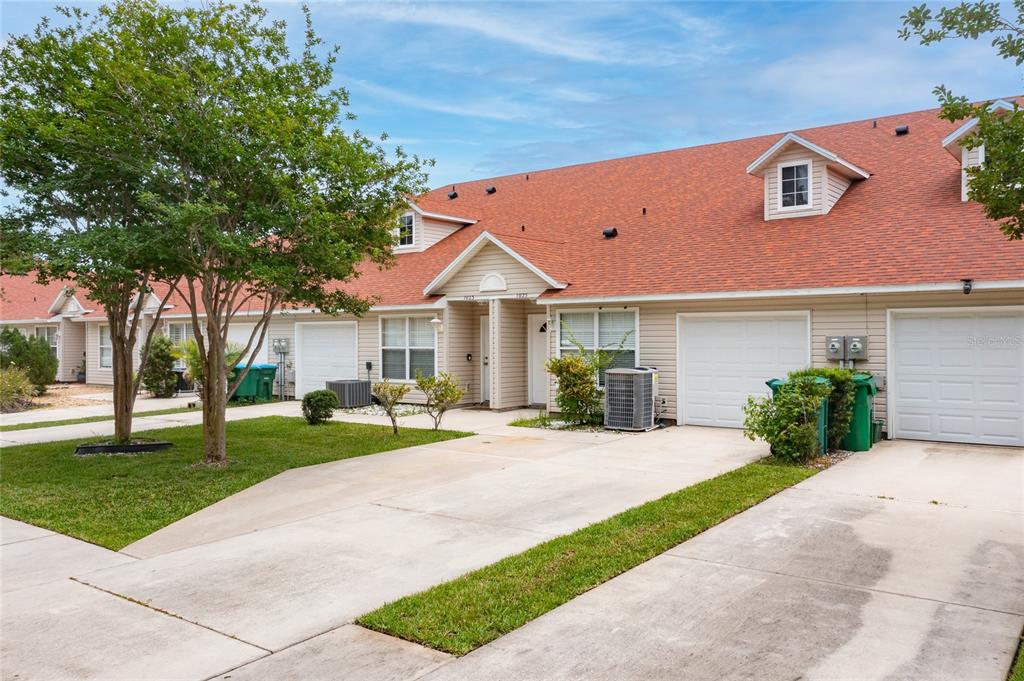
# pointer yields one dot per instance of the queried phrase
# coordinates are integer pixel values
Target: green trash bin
(246, 390)
(860, 437)
(265, 387)
(776, 384)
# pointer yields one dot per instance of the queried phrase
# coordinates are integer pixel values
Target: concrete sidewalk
(903, 563)
(142, 423)
(104, 406)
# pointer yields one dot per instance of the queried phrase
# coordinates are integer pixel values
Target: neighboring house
(47, 312)
(723, 265)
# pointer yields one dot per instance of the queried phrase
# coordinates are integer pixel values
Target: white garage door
(958, 376)
(324, 351)
(725, 359)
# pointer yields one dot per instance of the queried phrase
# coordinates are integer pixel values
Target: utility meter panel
(856, 347)
(835, 347)
(280, 346)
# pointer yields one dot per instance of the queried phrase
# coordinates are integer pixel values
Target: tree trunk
(124, 390)
(215, 402)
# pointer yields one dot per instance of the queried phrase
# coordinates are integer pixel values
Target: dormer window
(796, 185)
(405, 231)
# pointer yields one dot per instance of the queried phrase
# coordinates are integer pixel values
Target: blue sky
(495, 88)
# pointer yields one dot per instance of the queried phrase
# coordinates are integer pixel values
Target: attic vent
(610, 232)
(491, 189)
(902, 130)
(453, 195)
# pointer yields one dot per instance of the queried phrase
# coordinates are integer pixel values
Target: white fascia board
(439, 304)
(821, 151)
(440, 216)
(65, 294)
(1008, 284)
(963, 130)
(469, 251)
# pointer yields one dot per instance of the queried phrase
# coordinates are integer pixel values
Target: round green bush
(158, 375)
(318, 406)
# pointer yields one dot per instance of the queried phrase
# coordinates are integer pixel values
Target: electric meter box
(856, 347)
(279, 346)
(835, 347)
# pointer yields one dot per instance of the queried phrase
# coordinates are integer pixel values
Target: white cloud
(491, 108)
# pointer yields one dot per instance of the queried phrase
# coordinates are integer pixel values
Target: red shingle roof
(22, 299)
(705, 230)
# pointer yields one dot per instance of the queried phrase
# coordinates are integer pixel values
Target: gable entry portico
(490, 292)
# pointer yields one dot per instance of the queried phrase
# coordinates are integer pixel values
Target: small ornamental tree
(442, 392)
(389, 396)
(998, 183)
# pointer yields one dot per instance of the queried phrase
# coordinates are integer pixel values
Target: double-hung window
(179, 332)
(405, 231)
(48, 334)
(613, 331)
(106, 348)
(795, 185)
(408, 346)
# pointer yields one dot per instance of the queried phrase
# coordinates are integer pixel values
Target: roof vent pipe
(610, 232)
(491, 189)
(902, 130)
(453, 195)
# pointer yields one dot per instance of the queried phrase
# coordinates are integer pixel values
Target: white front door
(485, 359)
(324, 351)
(958, 376)
(724, 359)
(538, 342)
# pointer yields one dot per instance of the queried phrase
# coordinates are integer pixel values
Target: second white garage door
(324, 351)
(723, 359)
(958, 376)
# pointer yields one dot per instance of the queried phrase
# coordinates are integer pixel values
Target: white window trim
(407, 347)
(399, 248)
(810, 185)
(597, 328)
(100, 346)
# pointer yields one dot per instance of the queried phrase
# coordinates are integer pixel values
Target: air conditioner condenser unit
(631, 398)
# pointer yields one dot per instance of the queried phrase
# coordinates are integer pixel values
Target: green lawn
(1017, 671)
(115, 500)
(467, 612)
(89, 419)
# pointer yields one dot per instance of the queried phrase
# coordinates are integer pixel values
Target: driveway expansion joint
(381, 504)
(168, 613)
(857, 587)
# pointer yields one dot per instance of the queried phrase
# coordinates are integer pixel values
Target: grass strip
(463, 614)
(115, 500)
(1017, 670)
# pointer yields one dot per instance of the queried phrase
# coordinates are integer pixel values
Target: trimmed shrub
(13, 346)
(158, 375)
(40, 364)
(443, 392)
(389, 395)
(578, 398)
(788, 423)
(318, 406)
(15, 389)
(840, 400)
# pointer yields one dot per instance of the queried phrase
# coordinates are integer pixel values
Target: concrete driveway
(903, 563)
(285, 566)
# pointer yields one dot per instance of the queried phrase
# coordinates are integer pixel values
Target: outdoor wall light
(437, 324)
(968, 285)
(469, 356)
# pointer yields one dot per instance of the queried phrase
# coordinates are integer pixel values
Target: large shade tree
(78, 156)
(270, 202)
(998, 183)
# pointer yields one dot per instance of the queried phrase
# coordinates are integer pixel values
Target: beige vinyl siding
(491, 259)
(511, 354)
(830, 315)
(72, 349)
(432, 231)
(461, 338)
(836, 185)
(771, 186)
